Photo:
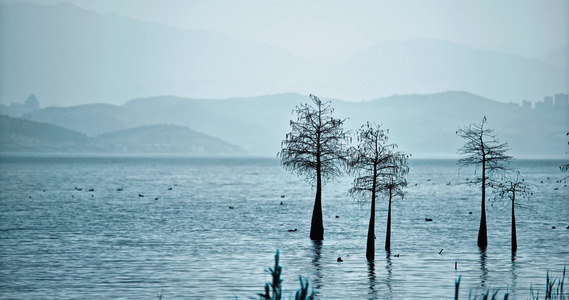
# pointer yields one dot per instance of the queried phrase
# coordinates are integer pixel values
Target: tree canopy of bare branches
(315, 148)
(510, 188)
(378, 168)
(565, 168)
(483, 151)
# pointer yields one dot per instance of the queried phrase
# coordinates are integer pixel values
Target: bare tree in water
(513, 190)
(378, 169)
(565, 168)
(315, 147)
(483, 151)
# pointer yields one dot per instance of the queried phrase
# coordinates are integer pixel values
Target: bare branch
(375, 163)
(317, 141)
(483, 148)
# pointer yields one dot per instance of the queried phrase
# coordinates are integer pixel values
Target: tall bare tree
(315, 147)
(509, 188)
(483, 151)
(565, 168)
(378, 169)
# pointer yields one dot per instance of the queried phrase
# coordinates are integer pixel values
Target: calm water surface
(63, 243)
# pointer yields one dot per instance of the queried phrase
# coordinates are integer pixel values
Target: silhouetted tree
(509, 189)
(565, 168)
(378, 169)
(483, 151)
(314, 148)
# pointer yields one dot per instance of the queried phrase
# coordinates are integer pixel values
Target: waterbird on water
(428, 219)
(140, 195)
(339, 259)
(292, 230)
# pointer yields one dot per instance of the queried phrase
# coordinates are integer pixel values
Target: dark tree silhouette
(510, 189)
(483, 151)
(315, 148)
(565, 168)
(378, 169)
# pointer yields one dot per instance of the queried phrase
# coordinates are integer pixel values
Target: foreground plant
(553, 290)
(274, 291)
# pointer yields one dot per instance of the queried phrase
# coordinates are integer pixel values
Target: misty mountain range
(68, 56)
(84, 65)
(423, 125)
(24, 136)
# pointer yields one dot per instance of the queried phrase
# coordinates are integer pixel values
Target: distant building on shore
(17, 110)
(561, 102)
(526, 104)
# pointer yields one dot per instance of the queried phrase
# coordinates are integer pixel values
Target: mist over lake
(323, 149)
(62, 243)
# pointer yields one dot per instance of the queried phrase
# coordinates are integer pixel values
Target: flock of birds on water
(295, 229)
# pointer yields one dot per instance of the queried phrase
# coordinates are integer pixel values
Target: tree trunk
(370, 250)
(482, 233)
(514, 238)
(388, 233)
(317, 227)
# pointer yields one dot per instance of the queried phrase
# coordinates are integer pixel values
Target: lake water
(62, 243)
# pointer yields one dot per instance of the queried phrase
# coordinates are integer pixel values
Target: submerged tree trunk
(514, 238)
(317, 226)
(370, 250)
(482, 233)
(388, 233)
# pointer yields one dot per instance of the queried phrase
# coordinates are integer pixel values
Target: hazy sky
(332, 30)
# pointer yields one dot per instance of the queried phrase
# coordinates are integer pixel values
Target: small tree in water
(378, 169)
(510, 189)
(483, 151)
(565, 168)
(314, 148)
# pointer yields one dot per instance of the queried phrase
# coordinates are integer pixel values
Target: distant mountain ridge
(420, 124)
(429, 66)
(103, 58)
(19, 135)
(165, 139)
(107, 56)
